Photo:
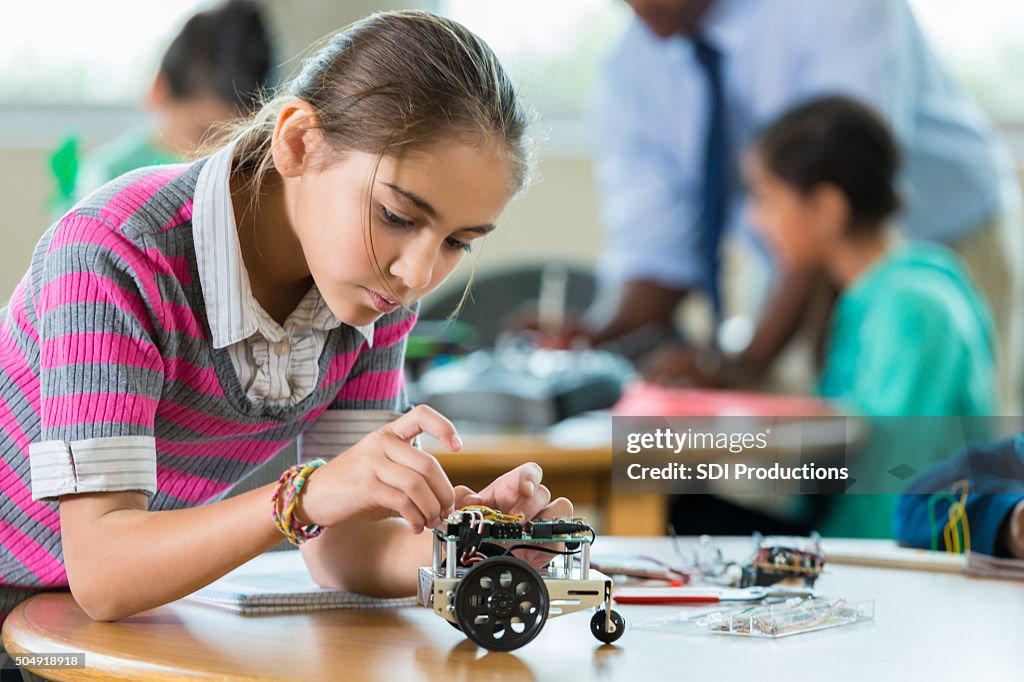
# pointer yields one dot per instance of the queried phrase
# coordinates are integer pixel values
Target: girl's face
(790, 222)
(424, 211)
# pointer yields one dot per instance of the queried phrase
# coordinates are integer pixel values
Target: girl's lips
(381, 302)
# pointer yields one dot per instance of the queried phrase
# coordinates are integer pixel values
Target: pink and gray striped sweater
(109, 380)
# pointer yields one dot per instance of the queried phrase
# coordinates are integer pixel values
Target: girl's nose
(415, 266)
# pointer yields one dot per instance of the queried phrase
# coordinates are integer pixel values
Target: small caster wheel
(597, 627)
(501, 603)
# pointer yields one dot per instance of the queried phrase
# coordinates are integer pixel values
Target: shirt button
(282, 347)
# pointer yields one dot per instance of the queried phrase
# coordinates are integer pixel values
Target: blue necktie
(716, 171)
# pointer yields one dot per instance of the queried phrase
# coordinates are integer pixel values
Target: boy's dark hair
(223, 52)
(839, 141)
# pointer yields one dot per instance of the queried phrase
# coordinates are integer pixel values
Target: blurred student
(909, 334)
(214, 71)
(686, 90)
(994, 503)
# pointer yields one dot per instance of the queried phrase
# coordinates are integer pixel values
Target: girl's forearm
(151, 558)
(377, 558)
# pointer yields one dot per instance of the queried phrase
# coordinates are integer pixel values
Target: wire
(541, 548)
(956, 533)
(932, 523)
(958, 527)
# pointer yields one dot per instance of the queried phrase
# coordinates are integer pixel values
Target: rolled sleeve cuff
(92, 466)
(338, 430)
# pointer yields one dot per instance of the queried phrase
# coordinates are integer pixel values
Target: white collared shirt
(275, 364)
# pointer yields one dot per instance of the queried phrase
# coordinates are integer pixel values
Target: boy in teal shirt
(910, 336)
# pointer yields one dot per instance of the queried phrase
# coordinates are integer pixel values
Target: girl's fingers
(398, 504)
(423, 419)
(508, 489)
(529, 507)
(560, 508)
(426, 465)
(412, 484)
(465, 497)
(530, 476)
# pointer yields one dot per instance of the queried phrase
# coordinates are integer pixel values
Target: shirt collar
(231, 308)
(723, 25)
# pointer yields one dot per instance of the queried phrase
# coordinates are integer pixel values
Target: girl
(214, 70)
(909, 333)
(183, 323)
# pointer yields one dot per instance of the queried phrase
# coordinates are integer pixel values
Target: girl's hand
(384, 475)
(520, 492)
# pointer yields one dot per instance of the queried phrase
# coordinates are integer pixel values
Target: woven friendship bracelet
(286, 498)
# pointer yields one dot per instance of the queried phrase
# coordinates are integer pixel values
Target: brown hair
(395, 82)
(224, 53)
(842, 142)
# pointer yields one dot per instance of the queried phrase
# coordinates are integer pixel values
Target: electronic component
(789, 618)
(502, 602)
(778, 559)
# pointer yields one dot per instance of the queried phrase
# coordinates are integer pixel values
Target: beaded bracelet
(286, 498)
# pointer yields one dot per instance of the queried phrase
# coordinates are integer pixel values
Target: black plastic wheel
(597, 627)
(501, 603)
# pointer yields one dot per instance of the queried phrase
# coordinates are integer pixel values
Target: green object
(77, 175)
(431, 338)
(135, 148)
(911, 337)
(64, 166)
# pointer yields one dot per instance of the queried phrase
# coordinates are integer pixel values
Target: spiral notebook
(277, 582)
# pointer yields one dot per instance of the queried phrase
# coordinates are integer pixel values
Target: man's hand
(676, 364)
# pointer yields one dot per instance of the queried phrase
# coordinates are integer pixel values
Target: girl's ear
(831, 210)
(290, 146)
(159, 92)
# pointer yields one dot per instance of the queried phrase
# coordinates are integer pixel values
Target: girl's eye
(394, 219)
(454, 243)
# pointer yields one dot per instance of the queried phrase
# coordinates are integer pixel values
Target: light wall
(25, 185)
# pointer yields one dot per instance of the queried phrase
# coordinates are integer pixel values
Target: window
(552, 49)
(95, 52)
(979, 42)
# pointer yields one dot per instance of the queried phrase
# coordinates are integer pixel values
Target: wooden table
(928, 626)
(583, 474)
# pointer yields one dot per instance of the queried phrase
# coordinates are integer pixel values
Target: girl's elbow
(102, 610)
(323, 574)
(101, 604)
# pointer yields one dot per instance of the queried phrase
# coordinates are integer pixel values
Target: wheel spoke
(502, 603)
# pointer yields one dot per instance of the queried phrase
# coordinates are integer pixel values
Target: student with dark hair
(215, 70)
(909, 335)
